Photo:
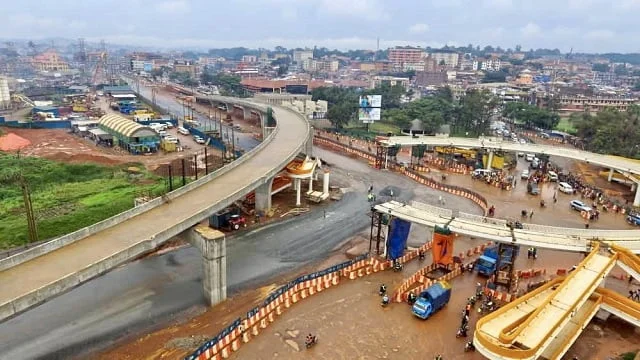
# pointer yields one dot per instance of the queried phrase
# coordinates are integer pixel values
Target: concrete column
(489, 160)
(263, 197)
(212, 244)
(636, 201)
(308, 148)
(311, 183)
(633, 187)
(610, 175)
(298, 186)
(325, 182)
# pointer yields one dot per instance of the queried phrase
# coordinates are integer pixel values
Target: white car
(565, 188)
(199, 140)
(529, 157)
(524, 174)
(523, 141)
(169, 125)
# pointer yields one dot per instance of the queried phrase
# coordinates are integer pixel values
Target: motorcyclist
(469, 346)
(438, 357)
(385, 299)
(383, 289)
(310, 339)
(421, 254)
(542, 203)
(412, 298)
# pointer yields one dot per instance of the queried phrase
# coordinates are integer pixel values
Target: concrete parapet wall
(57, 243)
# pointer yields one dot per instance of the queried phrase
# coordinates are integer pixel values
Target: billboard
(398, 234)
(370, 101)
(369, 115)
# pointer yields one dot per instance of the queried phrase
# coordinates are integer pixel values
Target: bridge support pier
(610, 177)
(263, 197)
(636, 200)
(489, 160)
(297, 183)
(246, 113)
(213, 246)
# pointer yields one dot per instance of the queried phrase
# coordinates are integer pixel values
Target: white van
(552, 176)
(183, 131)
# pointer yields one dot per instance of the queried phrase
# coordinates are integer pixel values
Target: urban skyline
(585, 26)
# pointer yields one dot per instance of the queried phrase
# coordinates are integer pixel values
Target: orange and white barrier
(499, 295)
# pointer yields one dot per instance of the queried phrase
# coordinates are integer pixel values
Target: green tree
(340, 114)
(473, 116)
(494, 76)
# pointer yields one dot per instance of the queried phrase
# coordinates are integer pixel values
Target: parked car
(578, 205)
(552, 176)
(523, 141)
(520, 154)
(529, 157)
(169, 125)
(533, 188)
(162, 133)
(183, 131)
(198, 139)
(565, 188)
(634, 219)
(525, 174)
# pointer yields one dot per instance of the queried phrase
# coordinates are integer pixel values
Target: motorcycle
(313, 341)
(469, 346)
(385, 301)
(397, 267)
(462, 332)
(470, 267)
(383, 290)
(421, 255)
(472, 301)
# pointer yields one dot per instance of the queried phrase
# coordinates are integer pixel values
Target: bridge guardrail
(52, 245)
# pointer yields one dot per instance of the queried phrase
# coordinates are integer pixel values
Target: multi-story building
(299, 56)
(603, 78)
(327, 65)
(401, 55)
(136, 65)
(413, 66)
(49, 61)
(185, 66)
(570, 104)
(449, 59)
(249, 59)
(492, 64)
(431, 78)
(390, 80)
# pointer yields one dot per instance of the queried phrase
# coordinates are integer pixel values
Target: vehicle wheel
(236, 226)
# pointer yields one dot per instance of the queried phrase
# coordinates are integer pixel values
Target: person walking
(531, 214)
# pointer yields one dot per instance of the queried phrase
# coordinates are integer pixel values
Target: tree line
(610, 131)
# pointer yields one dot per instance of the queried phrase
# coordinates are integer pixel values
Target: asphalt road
(245, 140)
(147, 294)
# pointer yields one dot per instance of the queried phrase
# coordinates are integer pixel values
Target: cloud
(289, 13)
(419, 28)
(600, 34)
(497, 4)
(531, 30)
(174, 7)
(371, 10)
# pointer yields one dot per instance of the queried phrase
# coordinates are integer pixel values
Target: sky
(584, 25)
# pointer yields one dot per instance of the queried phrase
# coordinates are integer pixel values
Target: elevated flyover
(549, 237)
(545, 323)
(628, 167)
(33, 276)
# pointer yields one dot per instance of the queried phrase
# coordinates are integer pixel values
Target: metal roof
(122, 125)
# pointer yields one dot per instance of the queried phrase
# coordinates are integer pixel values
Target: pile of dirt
(13, 142)
(186, 343)
(83, 158)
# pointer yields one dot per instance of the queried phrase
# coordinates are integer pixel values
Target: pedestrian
(371, 188)
(632, 294)
(531, 214)
(636, 295)
(440, 199)
(535, 253)
(324, 213)
(630, 279)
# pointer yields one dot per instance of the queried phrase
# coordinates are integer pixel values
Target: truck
(487, 262)
(431, 300)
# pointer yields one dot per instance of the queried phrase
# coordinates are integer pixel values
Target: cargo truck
(486, 264)
(432, 299)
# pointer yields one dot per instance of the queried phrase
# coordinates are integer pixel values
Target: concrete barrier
(62, 241)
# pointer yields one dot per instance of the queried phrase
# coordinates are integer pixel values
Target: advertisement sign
(369, 115)
(371, 101)
(398, 235)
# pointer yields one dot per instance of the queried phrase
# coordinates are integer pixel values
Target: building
(492, 64)
(449, 59)
(569, 104)
(185, 66)
(431, 78)
(137, 65)
(129, 135)
(250, 59)
(299, 56)
(400, 55)
(326, 66)
(525, 78)
(5, 95)
(377, 81)
(603, 78)
(49, 61)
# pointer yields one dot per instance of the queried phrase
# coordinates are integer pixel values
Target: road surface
(148, 293)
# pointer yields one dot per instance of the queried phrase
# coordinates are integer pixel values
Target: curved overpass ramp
(29, 278)
(545, 323)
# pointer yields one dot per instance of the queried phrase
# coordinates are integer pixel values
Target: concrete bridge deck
(28, 283)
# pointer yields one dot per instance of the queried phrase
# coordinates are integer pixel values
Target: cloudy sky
(585, 25)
